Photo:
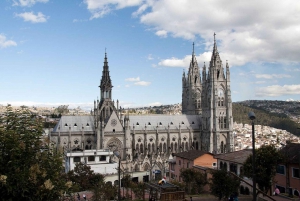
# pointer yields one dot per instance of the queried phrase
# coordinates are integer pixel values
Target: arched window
(160, 147)
(222, 102)
(175, 147)
(141, 148)
(186, 146)
(172, 148)
(153, 148)
(222, 147)
(137, 148)
(218, 101)
(182, 147)
(165, 147)
(221, 165)
(225, 122)
(149, 148)
(197, 146)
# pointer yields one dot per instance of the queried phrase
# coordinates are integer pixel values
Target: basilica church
(142, 140)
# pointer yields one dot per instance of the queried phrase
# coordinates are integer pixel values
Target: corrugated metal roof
(191, 154)
(236, 156)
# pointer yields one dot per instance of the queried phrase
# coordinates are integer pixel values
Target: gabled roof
(292, 150)
(236, 156)
(191, 154)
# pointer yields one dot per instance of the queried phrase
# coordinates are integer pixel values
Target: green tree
(103, 191)
(32, 171)
(83, 177)
(223, 184)
(138, 189)
(266, 160)
(193, 179)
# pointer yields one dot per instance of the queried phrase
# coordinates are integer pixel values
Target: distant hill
(263, 117)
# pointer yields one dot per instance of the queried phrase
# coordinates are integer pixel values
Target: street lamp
(252, 118)
(117, 154)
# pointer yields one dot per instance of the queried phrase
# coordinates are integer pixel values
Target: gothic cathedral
(205, 123)
(210, 97)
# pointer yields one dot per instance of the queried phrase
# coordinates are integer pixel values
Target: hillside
(264, 117)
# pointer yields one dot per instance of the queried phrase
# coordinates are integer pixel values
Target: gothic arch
(146, 167)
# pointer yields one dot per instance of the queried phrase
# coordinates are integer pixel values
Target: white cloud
(247, 31)
(99, 8)
(162, 33)
(185, 62)
(31, 17)
(28, 2)
(277, 90)
(6, 43)
(272, 76)
(259, 82)
(133, 79)
(150, 57)
(142, 83)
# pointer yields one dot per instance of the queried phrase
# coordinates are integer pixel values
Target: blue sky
(52, 51)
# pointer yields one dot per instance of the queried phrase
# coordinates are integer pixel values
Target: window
(102, 158)
(214, 164)
(91, 158)
(179, 162)
(280, 169)
(296, 173)
(76, 159)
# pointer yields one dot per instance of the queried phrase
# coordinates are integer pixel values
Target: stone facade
(209, 96)
(146, 142)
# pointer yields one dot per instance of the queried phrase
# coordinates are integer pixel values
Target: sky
(52, 51)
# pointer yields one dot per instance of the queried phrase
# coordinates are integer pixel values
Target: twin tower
(210, 97)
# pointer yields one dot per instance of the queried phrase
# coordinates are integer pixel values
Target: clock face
(113, 122)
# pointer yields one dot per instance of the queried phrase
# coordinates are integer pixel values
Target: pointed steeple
(105, 84)
(215, 50)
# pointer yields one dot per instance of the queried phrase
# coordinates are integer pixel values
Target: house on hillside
(190, 159)
(287, 177)
(233, 162)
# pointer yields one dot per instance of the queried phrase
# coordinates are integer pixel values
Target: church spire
(193, 54)
(105, 84)
(215, 50)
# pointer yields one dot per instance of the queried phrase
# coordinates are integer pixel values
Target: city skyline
(52, 52)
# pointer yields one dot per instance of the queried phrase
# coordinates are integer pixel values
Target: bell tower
(191, 88)
(217, 119)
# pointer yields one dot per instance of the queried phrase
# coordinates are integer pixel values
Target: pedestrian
(84, 197)
(276, 192)
(78, 196)
(191, 198)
